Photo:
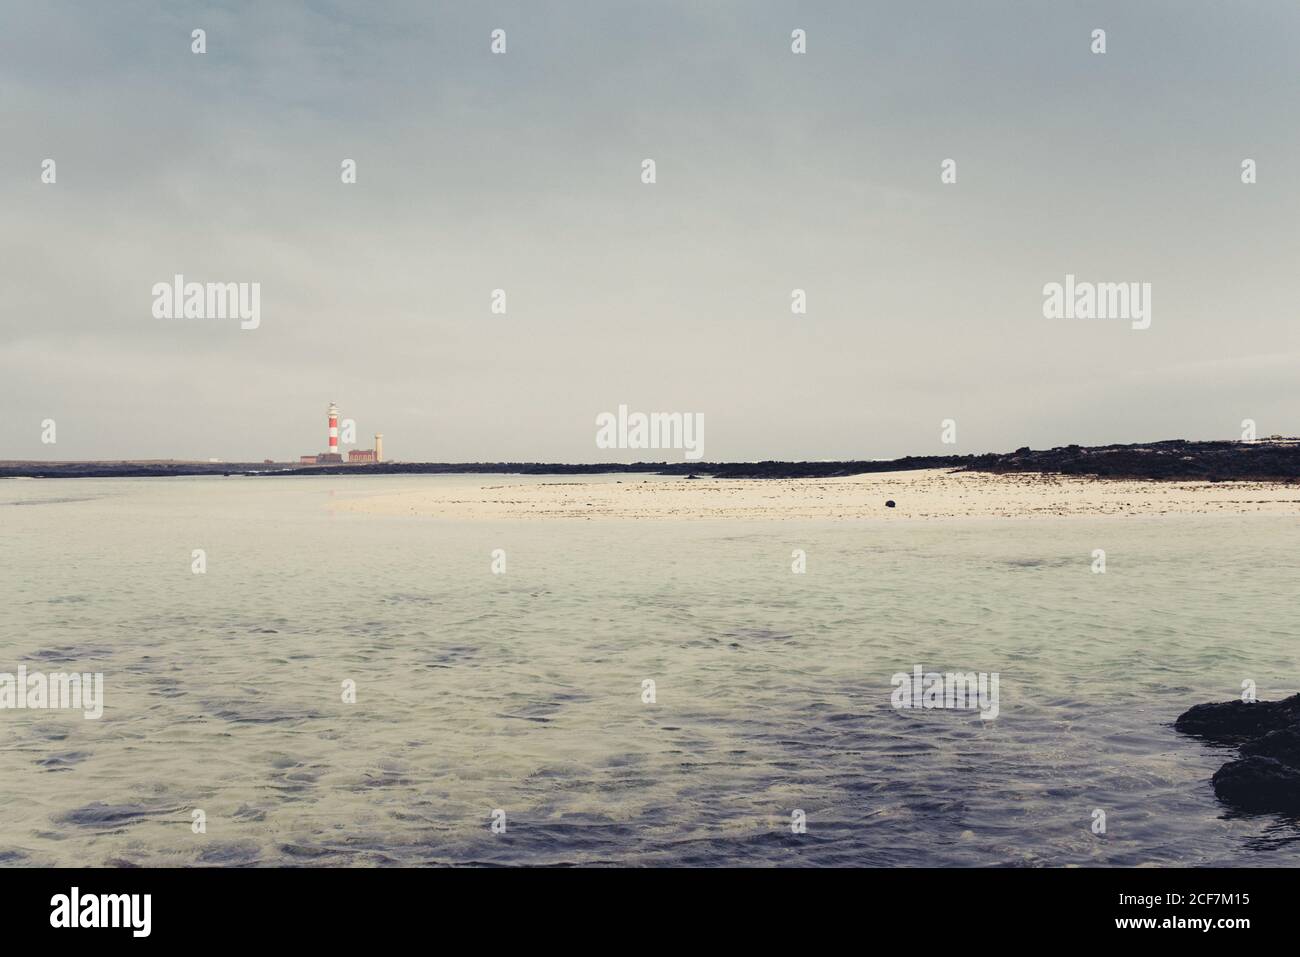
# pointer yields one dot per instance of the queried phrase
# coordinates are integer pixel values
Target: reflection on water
(522, 691)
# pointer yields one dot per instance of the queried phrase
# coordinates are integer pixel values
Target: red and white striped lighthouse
(334, 429)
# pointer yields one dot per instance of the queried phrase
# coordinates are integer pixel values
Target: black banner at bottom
(296, 907)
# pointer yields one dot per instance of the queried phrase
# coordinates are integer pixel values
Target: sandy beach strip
(923, 494)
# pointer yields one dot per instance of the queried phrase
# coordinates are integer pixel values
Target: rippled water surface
(523, 691)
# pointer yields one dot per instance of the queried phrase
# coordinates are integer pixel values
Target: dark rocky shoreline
(1271, 460)
(1266, 776)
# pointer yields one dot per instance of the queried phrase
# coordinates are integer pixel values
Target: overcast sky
(522, 172)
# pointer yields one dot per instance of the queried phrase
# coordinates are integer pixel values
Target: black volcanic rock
(1259, 784)
(1281, 745)
(1236, 722)
(1266, 778)
(1274, 459)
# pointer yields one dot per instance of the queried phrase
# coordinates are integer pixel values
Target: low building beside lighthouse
(368, 456)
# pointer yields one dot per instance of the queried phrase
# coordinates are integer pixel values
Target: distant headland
(1275, 459)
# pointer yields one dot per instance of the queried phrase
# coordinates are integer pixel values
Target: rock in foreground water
(1259, 784)
(1236, 722)
(1281, 745)
(1266, 778)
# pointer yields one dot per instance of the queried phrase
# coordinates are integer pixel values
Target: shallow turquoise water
(523, 692)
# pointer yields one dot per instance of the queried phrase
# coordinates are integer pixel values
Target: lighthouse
(334, 429)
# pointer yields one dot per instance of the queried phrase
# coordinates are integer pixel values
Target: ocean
(504, 718)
